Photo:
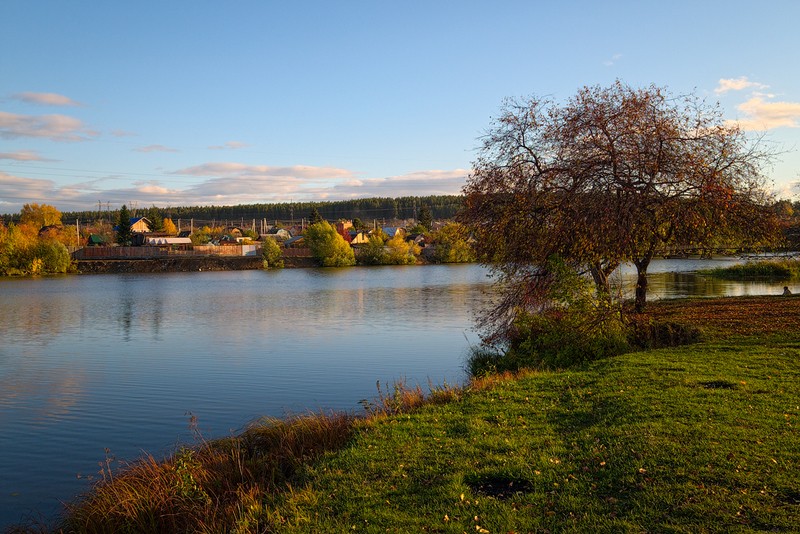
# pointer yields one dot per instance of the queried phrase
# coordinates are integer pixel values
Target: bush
(272, 254)
(401, 252)
(483, 361)
(328, 247)
(451, 245)
(644, 333)
(560, 340)
(372, 252)
(37, 257)
(572, 325)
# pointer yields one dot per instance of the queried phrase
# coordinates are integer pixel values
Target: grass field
(700, 438)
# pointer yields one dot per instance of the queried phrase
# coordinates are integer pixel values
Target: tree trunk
(641, 291)
(600, 280)
(641, 283)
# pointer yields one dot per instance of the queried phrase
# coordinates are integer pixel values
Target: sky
(182, 103)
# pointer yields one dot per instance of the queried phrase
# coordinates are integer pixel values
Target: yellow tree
(401, 252)
(39, 215)
(328, 247)
(169, 227)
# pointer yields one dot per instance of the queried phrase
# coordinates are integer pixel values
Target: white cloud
(46, 99)
(229, 145)
(228, 184)
(155, 148)
(53, 127)
(23, 155)
(122, 133)
(421, 183)
(239, 170)
(18, 191)
(763, 115)
(613, 61)
(737, 84)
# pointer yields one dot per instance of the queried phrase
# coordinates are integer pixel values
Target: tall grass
(230, 484)
(788, 269)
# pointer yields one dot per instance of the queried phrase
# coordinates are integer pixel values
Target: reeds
(776, 269)
(228, 484)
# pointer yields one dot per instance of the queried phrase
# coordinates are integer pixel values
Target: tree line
(366, 209)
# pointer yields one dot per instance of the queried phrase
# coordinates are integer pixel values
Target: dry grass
(229, 484)
(739, 316)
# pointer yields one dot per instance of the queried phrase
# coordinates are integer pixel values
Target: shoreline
(182, 264)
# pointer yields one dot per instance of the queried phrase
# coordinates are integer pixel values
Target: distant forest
(366, 209)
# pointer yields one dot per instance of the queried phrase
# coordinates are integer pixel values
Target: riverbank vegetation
(698, 438)
(449, 244)
(774, 269)
(36, 244)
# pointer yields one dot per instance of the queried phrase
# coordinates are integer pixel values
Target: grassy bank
(701, 438)
(778, 269)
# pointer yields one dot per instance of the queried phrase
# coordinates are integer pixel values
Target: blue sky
(188, 103)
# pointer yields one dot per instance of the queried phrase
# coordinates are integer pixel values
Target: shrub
(401, 252)
(572, 325)
(484, 361)
(272, 254)
(645, 333)
(451, 245)
(372, 252)
(328, 247)
(557, 340)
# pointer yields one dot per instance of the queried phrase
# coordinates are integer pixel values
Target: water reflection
(681, 279)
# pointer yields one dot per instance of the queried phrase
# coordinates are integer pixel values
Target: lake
(105, 367)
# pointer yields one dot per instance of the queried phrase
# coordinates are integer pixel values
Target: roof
(169, 241)
(392, 231)
(294, 239)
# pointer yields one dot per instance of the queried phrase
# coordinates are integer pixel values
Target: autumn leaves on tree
(614, 175)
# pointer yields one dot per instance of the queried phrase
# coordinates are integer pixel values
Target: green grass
(788, 269)
(700, 438)
(696, 439)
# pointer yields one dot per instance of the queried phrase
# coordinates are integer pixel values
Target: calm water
(121, 362)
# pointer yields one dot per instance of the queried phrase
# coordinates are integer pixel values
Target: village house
(392, 231)
(278, 234)
(140, 225)
(358, 238)
(161, 241)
